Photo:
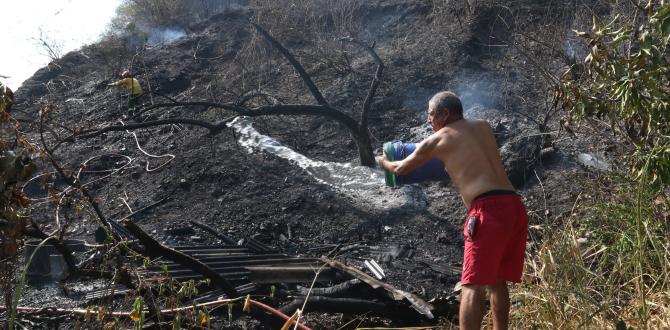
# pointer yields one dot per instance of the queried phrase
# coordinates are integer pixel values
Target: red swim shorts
(495, 239)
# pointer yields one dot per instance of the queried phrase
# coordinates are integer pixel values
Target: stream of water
(362, 185)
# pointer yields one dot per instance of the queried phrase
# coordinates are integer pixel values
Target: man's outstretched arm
(423, 153)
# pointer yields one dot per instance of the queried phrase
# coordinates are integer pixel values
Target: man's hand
(381, 160)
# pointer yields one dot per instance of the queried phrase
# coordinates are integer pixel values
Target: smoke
(477, 91)
(164, 35)
(570, 51)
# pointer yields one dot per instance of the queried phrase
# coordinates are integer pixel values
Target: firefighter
(134, 90)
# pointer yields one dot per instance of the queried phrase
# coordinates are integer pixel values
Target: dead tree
(357, 128)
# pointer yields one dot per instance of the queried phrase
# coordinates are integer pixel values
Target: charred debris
(203, 270)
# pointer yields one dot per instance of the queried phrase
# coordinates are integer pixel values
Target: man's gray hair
(447, 101)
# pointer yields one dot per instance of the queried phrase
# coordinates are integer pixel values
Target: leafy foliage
(626, 80)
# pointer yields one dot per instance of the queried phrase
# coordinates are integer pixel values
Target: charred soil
(215, 180)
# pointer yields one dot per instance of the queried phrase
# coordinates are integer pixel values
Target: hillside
(234, 181)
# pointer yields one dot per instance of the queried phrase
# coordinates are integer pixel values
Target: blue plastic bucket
(433, 170)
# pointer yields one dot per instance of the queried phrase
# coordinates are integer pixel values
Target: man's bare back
(470, 155)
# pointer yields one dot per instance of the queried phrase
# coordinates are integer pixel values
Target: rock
(547, 153)
(592, 161)
(519, 156)
(184, 184)
(442, 238)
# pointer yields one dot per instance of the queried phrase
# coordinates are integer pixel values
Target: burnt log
(214, 232)
(386, 289)
(335, 290)
(349, 306)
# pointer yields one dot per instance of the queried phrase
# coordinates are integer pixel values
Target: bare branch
(375, 80)
(296, 65)
(358, 133)
(280, 109)
(86, 134)
(73, 181)
(252, 95)
(226, 106)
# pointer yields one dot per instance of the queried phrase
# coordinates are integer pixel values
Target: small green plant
(137, 314)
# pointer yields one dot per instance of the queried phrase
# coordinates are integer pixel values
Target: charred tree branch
(73, 181)
(213, 232)
(226, 106)
(249, 96)
(282, 109)
(335, 290)
(146, 208)
(298, 67)
(91, 133)
(384, 288)
(375, 80)
(349, 306)
(359, 135)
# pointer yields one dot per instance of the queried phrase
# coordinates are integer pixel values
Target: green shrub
(626, 81)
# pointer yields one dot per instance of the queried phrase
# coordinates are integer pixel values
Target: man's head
(444, 108)
(125, 74)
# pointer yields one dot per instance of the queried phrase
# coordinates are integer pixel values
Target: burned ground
(214, 180)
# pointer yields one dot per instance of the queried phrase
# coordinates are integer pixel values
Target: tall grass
(607, 266)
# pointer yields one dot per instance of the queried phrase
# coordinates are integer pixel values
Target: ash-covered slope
(215, 180)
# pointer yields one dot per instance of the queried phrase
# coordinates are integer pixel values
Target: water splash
(364, 186)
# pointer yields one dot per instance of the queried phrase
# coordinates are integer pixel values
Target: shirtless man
(497, 224)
